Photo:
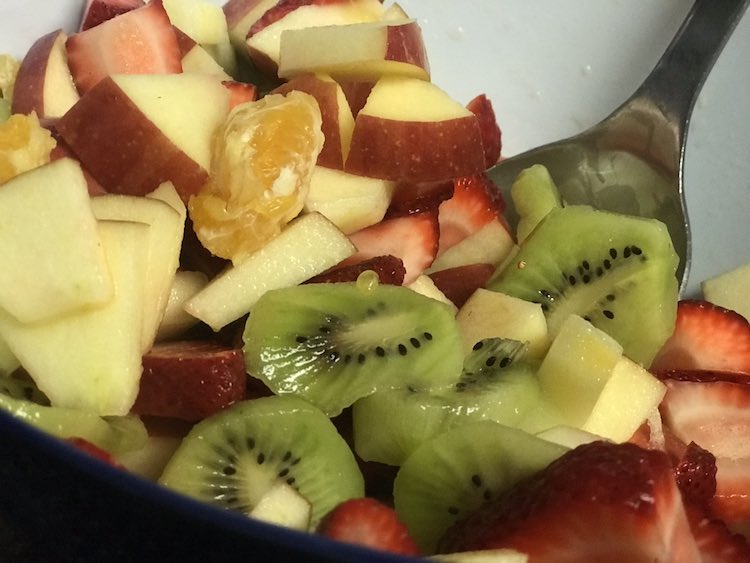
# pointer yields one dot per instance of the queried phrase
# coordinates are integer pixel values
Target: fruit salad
(253, 254)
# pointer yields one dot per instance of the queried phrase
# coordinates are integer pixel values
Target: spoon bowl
(632, 162)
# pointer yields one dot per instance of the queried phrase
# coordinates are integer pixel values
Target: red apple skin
(28, 93)
(98, 11)
(356, 93)
(460, 282)
(122, 149)
(282, 8)
(325, 92)
(405, 44)
(235, 10)
(415, 151)
(184, 42)
(240, 92)
(190, 380)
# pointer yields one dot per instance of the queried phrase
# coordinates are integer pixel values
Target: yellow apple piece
(424, 285)
(492, 244)
(336, 115)
(172, 116)
(626, 401)
(53, 261)
(44, 83)
(164, 244)
(176, 320)
(308, 246)
(284, 506)
(350, 202)
(361, 51)
(730, 290)
(91, 359)
(410, 130)
(196, 59)
(203, 21)
(490, 314)
(264, 39)
(240, 16)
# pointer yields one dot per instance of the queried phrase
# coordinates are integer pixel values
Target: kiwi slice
(235, 457)
(333, 343)
(390, 425)
(115, 434)
(616, 271)
(450, 476)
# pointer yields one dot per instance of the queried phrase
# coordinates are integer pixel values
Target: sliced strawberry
(99, 11)
(367, 522)
(460, 282)
(389, 269)
(715, 414)
(481, 106)
(409, 198)
(94, 451)
(140, 41)
(413, 239)
(706, 337)
(715, 541)
(598, 502)
(695, 474)
(240, 92)
(475, 202)
(190, 380)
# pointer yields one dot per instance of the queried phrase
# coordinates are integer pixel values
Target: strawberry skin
(715, 541)
(140, 41)
(370, 523)
(706, 337)
(489, 130)
(598, 502)
(475, 202)
(412, 238)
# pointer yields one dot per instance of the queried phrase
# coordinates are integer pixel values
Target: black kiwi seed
(608, 314)
(613, 253)
(478, 346)
(402, 350)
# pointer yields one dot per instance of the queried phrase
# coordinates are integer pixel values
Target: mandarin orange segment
(24, 145)
(261, 163)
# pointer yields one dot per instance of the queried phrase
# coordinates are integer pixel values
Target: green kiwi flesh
(115, 434)
(614, 270)
(333, 343)
(236, 456)
(390, 425)
(450, 476)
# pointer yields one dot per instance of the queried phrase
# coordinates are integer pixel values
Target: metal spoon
(633, 161)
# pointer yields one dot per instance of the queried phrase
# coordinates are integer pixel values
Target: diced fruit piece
(190, 380)
(173, 115)
(240, 92)
(369, 523)
(24, 401)
(728, 290)
(568, 436)
(617, 271)
(240, 16)
(490, 314)
(44, 84)
(695, 474)
(577, 367)
(599, 501)
(413, 239)
(91, 359)
(482, 556)
(57, 261)
(534, 195)
(450, 477)
(360, 51)
(425, 286)
(149, 460)
(494, 385)
(481, 106)
(99, 11)
(94, 451)
(138, 41)
(625, 401)
(335, 343)
(308, 246)
(163, 250)
(409, 198)
(24, 145)
(337, 119)
(203, 21)
(356, 93)
(706, 337)
(176, 320)
(459, 284)
(411, 131)
(264, 36)
(256, 444)
(715, 541)
(491, 244)
(476, 201)
(262, 160)
(350, 202)
(388, 269)
(284, 506)
(196, 59)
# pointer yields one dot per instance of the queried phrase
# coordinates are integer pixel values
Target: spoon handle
(677, 78)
